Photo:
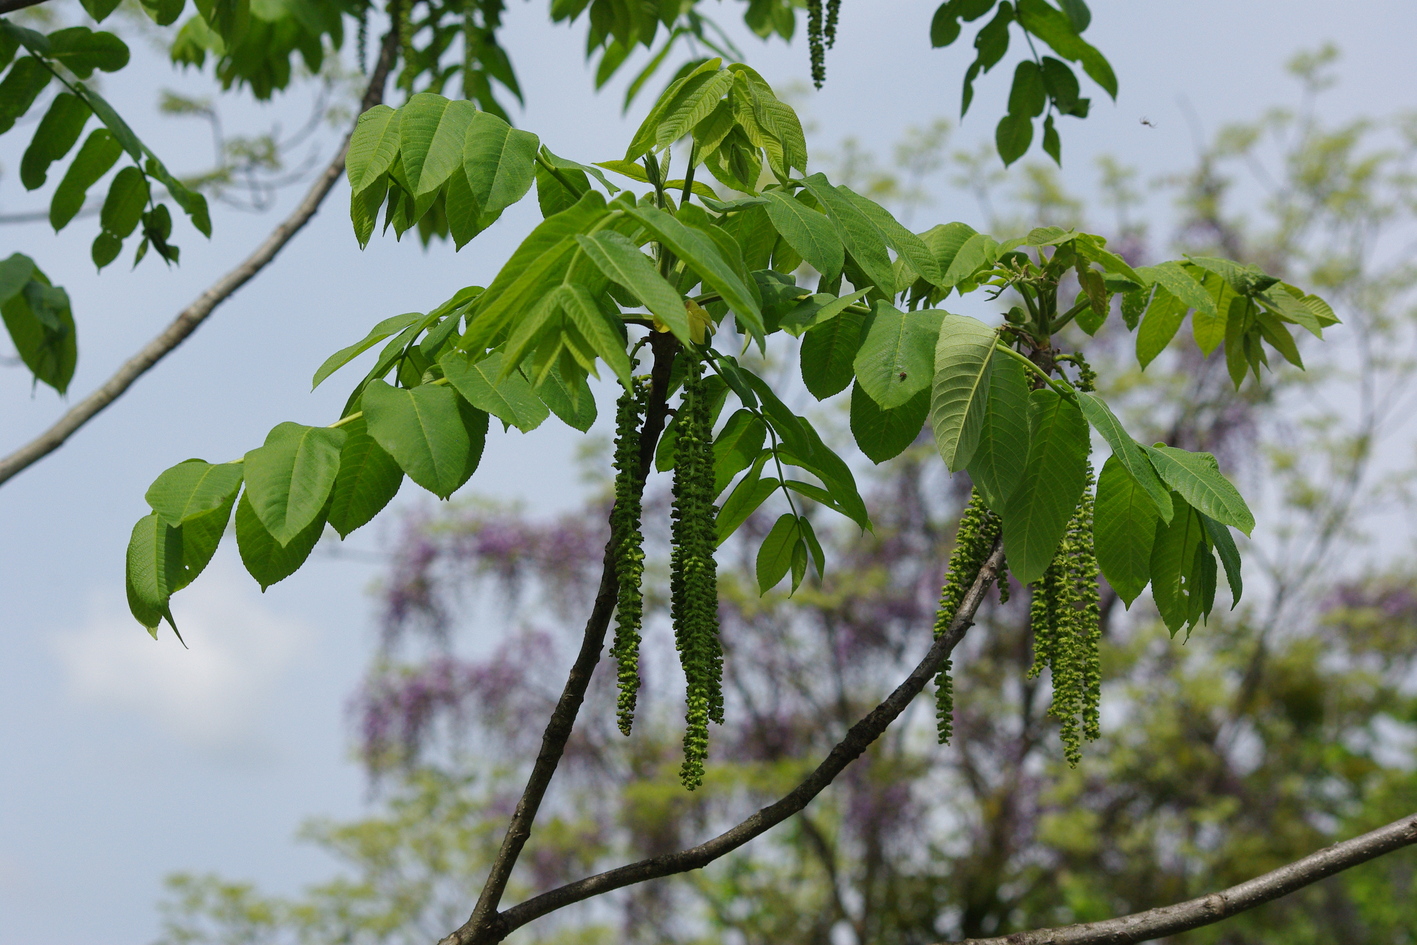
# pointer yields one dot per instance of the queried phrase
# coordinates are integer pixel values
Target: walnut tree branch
(10, 6)
(485, 925)
(188, 320)
(857, 740)
(1205, 910)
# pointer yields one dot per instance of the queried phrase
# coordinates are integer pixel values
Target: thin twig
(857, 740)
(193, 315)
(485, 924)
(1183, 916)
(10, 6)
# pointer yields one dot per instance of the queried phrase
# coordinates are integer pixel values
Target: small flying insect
(1148, 122)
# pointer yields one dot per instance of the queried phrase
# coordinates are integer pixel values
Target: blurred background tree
(1279, 727)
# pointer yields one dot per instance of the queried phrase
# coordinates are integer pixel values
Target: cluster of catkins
(693, 573)
(821, 35)
(974, 541)
(1066, 622)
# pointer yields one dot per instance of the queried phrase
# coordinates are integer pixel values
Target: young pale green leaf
(817, 309)
(423, 430)
(289, 477)
(267, 560)
(862, 238)
(807, 231)
(1128, 451)
(998, 462)
(154, 568)
(606, 340)
(907, 245)
(509, 398)
(1209, 327)
(750, 493)
(1224, 544)
(1037, 514)
(572, 403)
(368, 480)
(58, 131)
(499, 162)
(737, 445)
(1197, 477)
(828, 352)
(372, 148)
(385, 328)
(1174, 578)
(976, 252)
(531, 271)
(897, 359)
(775, 556)
(621, 261)
(1125, 530)
(960, 395)
(702, 254)
(192, 488)
(1159, 325)
(884, 434)
(99, 153)
(1175, 279)
(679, 90)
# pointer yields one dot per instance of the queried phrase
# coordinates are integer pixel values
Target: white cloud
(211, 695)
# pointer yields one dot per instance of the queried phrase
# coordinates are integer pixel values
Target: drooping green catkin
(694, 573)
(363, 40)
(833, 14)
(405, 26)
(974, 540)
(816, 44)
(1066, 621)
(628, 543)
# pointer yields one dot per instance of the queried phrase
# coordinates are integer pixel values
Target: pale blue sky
(123, 759)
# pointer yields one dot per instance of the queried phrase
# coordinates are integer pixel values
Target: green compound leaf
(372, 148)
(385, 328)
(775, 556)
(862, 238)
(499, 162)
(884, 434)
(1037, 514)
(751, 492)
(368, 480)
(1159, 325)
(82, 50)
(1125, 530)
(423, 430)
(509, 399)
(737, 445)
(960, 395)
(999, 460)
(897, 357)
(1175, 581)
(200, 536)
(289, 477)
(41, 325)
(1197, 477)
(268, 560)
(828, 352)
(807, 231)
(622, 262)
(1224, 544)
(193, 488)
(99, 153)
(154, 569)
(702, 254)
(20, 87)
(58, 131)
(1129, 452)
